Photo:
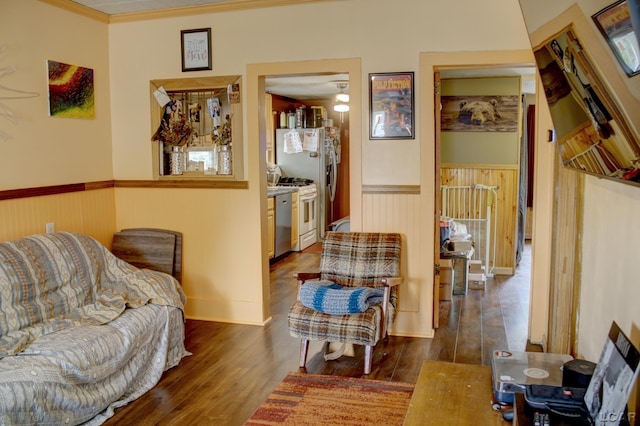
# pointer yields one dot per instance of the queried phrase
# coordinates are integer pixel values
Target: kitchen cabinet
(270, 128)
(294, 218)
(271, 226)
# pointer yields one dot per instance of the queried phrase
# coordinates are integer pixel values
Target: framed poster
(391, 105)
(614, 22)
(196, 49)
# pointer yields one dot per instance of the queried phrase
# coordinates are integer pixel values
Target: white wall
(610, 267)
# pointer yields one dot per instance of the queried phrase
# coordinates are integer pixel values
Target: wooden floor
(234, 367)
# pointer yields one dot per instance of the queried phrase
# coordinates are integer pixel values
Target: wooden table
(453, 394)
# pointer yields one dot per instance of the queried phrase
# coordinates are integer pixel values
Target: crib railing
(476, 207)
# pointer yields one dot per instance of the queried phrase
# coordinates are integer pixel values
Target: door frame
(256, 131)
(430, 64)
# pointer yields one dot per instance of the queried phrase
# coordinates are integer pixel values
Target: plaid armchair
(351, 259)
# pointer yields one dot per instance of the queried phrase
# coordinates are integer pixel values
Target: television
(589, 68)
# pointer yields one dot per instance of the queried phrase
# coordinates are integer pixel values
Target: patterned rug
(308, 399)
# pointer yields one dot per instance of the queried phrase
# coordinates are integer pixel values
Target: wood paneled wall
(402, 212)
(90, 212)
(506, 179)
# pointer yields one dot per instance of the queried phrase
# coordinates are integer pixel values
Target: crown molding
(79, 9)
(225, 6)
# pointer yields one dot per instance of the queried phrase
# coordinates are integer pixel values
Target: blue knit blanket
(334, 299)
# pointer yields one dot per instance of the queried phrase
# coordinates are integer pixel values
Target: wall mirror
(593, 131)
(592, 134)
(196, 127)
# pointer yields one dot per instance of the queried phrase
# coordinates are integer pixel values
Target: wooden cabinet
(294, 218)
(270, 126)
(271, 225)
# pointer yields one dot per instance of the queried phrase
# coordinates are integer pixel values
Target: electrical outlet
(50, 228)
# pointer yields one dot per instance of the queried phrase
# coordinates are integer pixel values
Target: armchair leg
(368, 358)
(304, 347)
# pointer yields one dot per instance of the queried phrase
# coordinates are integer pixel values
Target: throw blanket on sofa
(54, 281)
(334, 299)
(81, 331)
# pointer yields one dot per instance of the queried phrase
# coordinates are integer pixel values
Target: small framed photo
(196, 49)
(614, 22)
(391, 106)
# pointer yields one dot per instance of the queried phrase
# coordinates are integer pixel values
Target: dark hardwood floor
(233, 368)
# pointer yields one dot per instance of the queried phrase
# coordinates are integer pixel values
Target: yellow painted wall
(43, 150)
(356, 31)
(219, 245)
(87, 212)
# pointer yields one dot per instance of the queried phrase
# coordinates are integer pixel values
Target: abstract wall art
(71, 91)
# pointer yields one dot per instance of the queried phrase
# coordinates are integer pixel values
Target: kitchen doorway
(256, 126)
(305, 97)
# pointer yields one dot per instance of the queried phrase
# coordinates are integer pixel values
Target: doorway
(457, 65)
(308, 94)
(256, 126)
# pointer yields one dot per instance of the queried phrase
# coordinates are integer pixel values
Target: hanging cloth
(310, 141)
(292, 142)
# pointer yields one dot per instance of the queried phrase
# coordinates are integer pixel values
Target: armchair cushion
(334, 299)
(359, 329)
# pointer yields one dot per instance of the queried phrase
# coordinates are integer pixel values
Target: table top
(453, 394)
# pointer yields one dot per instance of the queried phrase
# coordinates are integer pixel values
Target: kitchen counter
(278, 190)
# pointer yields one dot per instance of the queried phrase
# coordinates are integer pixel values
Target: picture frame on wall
(196, 49)
(614, 23)
(391, 105)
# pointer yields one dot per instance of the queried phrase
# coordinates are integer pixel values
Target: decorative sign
(196, 49)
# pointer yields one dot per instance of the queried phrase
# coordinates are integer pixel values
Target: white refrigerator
(321, 166)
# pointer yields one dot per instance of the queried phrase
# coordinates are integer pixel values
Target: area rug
(308, 399)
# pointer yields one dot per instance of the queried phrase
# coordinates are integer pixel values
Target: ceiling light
(342, 99)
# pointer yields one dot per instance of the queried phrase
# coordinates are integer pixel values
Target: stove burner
(293, 181)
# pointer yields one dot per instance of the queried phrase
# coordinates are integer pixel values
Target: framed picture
(391, 106)
(614, 22)
(196, 49)
(71, 91)
(479, 113)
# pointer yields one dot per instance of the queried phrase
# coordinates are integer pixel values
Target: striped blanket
(81, 331)
(334, 299)
(54, 281)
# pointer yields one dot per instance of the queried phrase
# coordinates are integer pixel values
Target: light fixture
(342, 99)
(340, 107)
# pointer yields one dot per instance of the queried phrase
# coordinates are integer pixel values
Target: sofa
(82, 332)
